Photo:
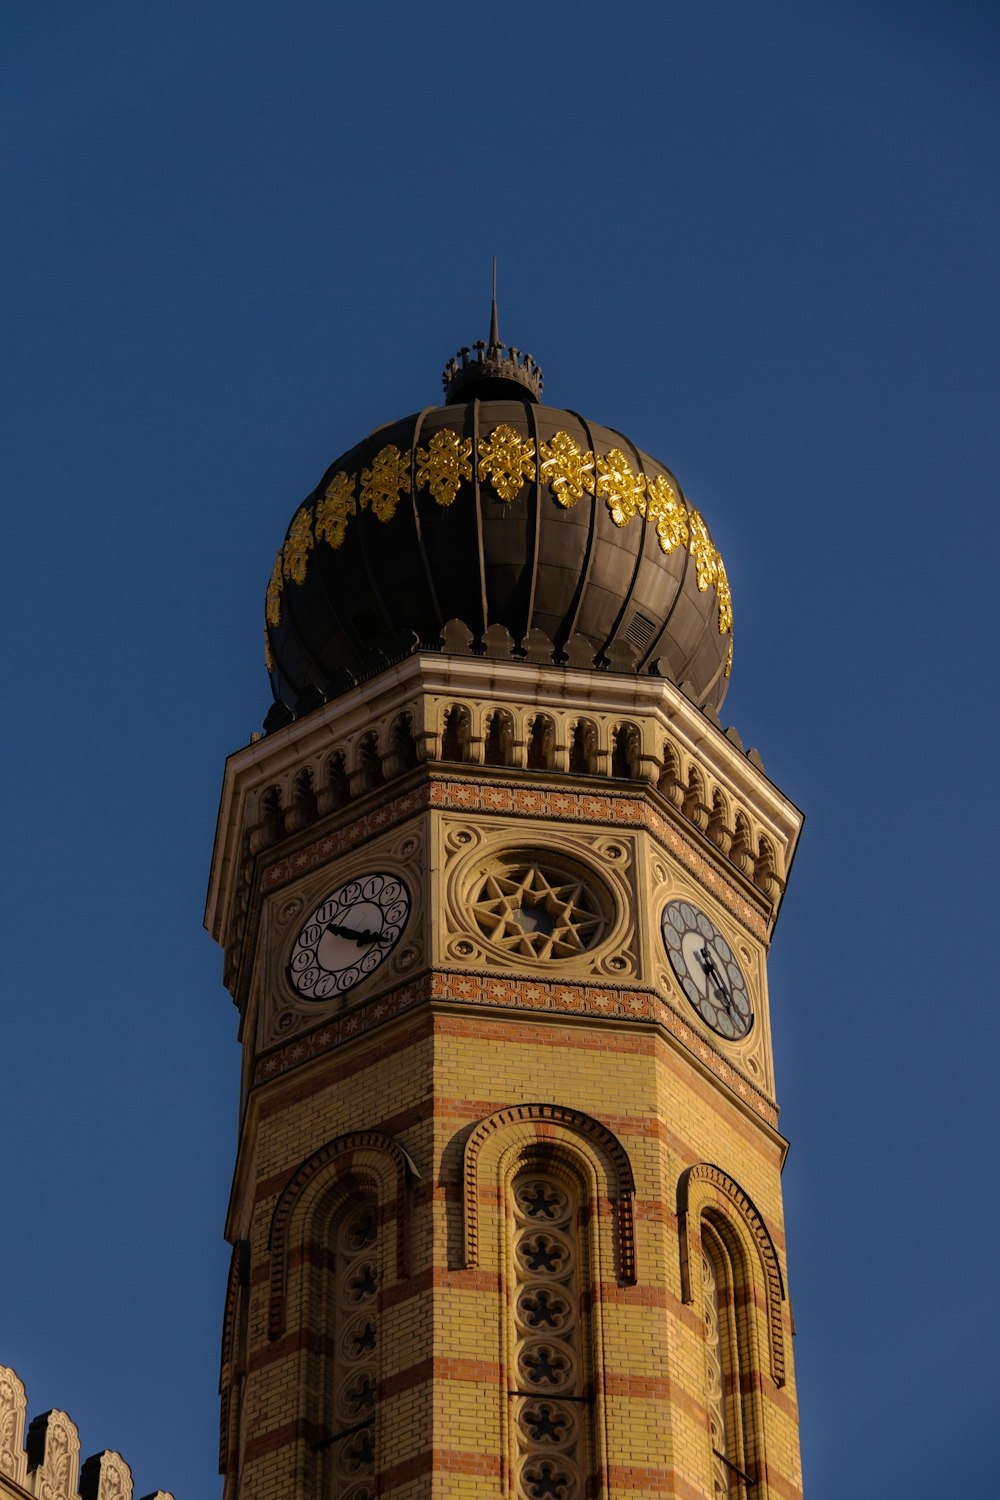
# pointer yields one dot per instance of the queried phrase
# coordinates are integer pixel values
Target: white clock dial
(707, 969)
(348, 936)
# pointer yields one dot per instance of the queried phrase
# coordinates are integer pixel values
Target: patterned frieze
(543, 998)
(434, 708)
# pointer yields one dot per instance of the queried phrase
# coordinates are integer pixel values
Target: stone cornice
(421, 684)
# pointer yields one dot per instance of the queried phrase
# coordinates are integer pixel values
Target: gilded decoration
(701, 549)
(725, 597)
(729, 657)
(382, 484)
(298, 544)
(622, 489)
(272, 607)
(567, 470)
(443, 464)
(665, 508)
(268, 658)
(334, 509)
(506, 460)
(711, 570)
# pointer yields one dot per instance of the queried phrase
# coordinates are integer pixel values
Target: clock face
(348, 936)
(707, 969)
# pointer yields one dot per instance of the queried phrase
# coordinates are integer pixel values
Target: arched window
(553, 1390)
(731, 1276)
(353, 1330)
(337, 1245)
(723, 1367)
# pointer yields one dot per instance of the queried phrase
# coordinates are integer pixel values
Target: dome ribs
(502, 513)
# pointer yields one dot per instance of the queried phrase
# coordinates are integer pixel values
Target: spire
(492, 371)
(494, 326)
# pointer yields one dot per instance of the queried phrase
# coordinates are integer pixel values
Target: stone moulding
(229, 1383)
(706, 1186)
(469, 987)
(340, 1158)
(736, 806)
(537, 1117)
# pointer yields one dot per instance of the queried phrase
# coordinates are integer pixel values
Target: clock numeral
(348, 936)
(707, 970)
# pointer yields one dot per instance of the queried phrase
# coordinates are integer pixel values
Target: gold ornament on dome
(623, 491)
(272, 608)
(268, 658)
(383, 483)
(703, 551)
(666, 510)
(298, 544)
(729, 657)
(334, 509)
(443, 464)
(725, 597)
(567, 470)
(507, 460)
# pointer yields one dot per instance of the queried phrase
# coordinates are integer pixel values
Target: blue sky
(762, 241)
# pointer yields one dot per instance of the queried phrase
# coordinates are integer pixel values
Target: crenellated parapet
(42, 1459)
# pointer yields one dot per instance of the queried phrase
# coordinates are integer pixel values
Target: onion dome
(496, 511)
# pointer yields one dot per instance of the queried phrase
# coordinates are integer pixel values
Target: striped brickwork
(430, 1089)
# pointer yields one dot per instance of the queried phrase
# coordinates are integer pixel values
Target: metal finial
(494, 326)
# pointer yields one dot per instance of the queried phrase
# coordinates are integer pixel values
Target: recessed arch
(707, 1187)
(534, 1123)
(365, 1152)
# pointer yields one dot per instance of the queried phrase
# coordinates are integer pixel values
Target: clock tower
(495, 890)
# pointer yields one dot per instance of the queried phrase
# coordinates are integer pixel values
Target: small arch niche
(402, 753)
(498, 746)
(457, 733)
(625, 752)
(583, 749)
(541, 743)
(369, 764)
(336, 790)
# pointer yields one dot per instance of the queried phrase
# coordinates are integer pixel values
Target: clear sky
(762, 240)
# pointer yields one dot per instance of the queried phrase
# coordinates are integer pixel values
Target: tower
(495, 891)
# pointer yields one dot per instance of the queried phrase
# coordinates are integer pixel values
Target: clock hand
(361, 938)
(712, 972)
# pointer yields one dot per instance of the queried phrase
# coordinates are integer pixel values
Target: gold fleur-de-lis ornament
(506, 460)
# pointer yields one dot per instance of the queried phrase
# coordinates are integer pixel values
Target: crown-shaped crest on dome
(491, 370)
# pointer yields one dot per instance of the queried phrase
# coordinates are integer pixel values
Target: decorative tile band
(538, 997)
(519, 801)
